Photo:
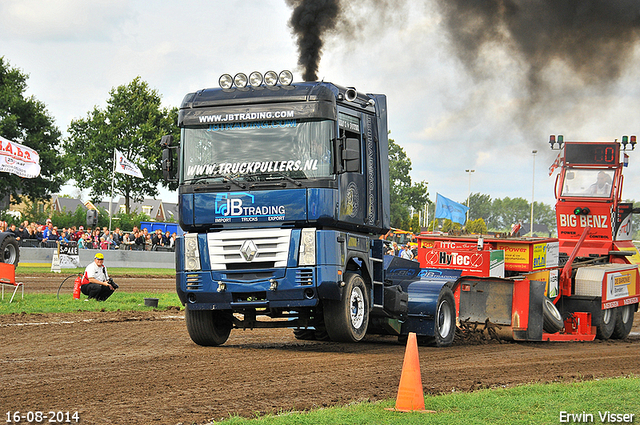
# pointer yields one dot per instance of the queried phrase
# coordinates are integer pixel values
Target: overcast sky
(447, 120)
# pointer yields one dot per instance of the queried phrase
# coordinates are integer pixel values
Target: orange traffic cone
(410, 395)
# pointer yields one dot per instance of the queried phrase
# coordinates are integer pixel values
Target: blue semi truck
(283, 196)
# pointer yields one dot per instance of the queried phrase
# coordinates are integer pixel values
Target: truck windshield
(258, 151)
(587, 183)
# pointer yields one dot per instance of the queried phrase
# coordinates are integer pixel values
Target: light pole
(469, 197)
(533, 185)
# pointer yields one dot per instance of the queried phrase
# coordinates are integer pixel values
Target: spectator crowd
(407, 251)
(48, 235)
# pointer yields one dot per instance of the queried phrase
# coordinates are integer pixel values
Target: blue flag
(446, 208)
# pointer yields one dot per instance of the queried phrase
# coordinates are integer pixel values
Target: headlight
(191, 252)
(307, 255)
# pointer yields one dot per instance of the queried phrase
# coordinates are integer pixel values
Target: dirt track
(142, 368)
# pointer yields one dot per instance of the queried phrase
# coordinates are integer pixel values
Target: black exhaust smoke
(595, 38)
(310, 21)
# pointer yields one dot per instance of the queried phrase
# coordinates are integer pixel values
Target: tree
(510, 211)
(476, 227)
(480, 207)
(25, 120)
(133, 122)
(403, 193)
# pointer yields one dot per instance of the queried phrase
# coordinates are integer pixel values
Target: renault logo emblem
(248, 250)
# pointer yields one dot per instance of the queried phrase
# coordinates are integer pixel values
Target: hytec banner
(18, 159)
(124, 166)
(446, 208)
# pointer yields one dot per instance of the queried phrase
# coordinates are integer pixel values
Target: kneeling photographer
(96, 283)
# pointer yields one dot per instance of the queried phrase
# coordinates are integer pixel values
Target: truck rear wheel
(624, 322)
(208, 327)
(9, 251)
(347, 320)
(605, 324)
(552, 319)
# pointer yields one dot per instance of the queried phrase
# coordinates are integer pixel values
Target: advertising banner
(472, 263)
(620, 288)
(18, 159)
(529, 257)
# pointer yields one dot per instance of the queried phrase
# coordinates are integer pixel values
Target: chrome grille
(230, 249)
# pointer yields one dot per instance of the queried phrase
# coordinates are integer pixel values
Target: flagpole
(113, 178)
(434, 213)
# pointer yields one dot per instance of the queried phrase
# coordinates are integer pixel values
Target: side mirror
(351, 155)
(168, 168)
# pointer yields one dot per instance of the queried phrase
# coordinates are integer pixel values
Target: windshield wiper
(289, 179)
(225, 179)
(234, 181)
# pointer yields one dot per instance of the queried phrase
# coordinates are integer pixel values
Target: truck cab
(589, 202)
(283, 194)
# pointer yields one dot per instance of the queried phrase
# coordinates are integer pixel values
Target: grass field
(123, 301)
(113, 271)
(595, 401)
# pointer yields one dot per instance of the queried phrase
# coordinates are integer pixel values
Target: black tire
(208, 327)
(606, 323)
(445, 319)
(552, 319)
(624, 321)
(305, 334)
(9, 251)
(317, 333)
(347, 320)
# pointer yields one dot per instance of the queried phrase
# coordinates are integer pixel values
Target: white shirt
(100, 273)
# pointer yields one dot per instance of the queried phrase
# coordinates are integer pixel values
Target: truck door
(353, 190)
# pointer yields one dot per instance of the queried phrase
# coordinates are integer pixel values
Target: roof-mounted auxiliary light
(226, 81)
(626, 141)
(271, 78)
(560, 141)
(240, 80)
(255, 79)
(285, 78)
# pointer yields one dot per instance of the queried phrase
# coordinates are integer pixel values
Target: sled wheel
(347, 320)
(552, 320)
(606, 323)
(208, 327)
(624, 322)
(9, 251)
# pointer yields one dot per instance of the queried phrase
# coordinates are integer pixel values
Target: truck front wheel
(347, 320)
(208, 327)
(9, 251)
(606, 324)
(624, 322)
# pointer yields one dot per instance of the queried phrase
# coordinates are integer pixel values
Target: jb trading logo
(230, 206)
